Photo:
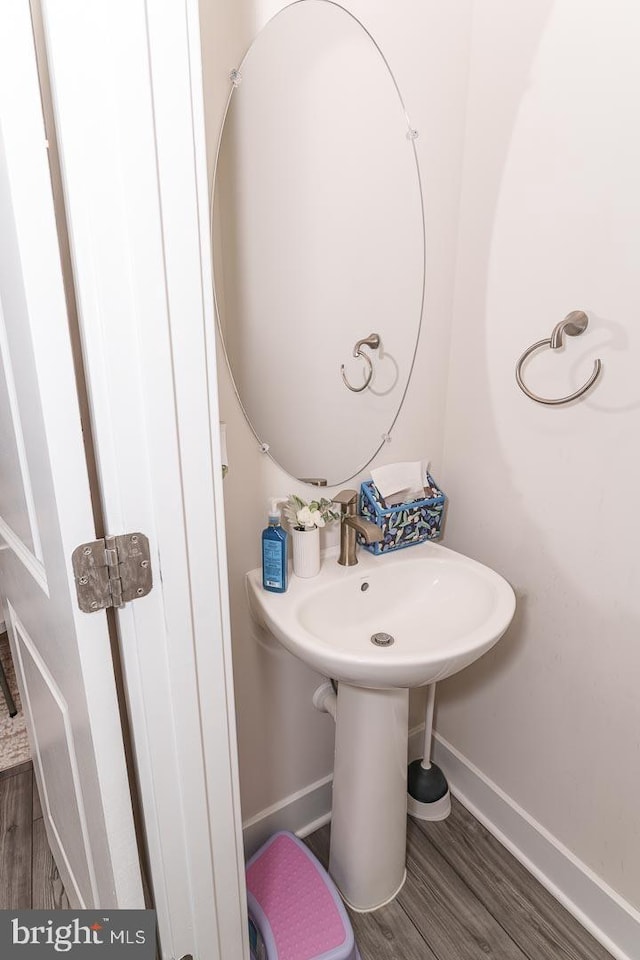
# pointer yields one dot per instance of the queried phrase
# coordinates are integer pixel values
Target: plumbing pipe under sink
(325, 699)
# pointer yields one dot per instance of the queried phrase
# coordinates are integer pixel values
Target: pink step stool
(295, 905)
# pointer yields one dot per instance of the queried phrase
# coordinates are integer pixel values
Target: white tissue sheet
(400, 482)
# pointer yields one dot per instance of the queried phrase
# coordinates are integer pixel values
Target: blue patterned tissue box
(407, 523)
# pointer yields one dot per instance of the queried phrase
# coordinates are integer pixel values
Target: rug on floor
(14, 744)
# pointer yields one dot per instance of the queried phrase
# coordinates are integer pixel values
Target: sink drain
(382, 639)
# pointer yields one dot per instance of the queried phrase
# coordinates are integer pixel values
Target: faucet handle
(346, 499)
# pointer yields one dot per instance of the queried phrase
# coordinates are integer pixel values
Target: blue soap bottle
(275, 553)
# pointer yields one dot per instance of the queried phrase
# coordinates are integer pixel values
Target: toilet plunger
(428, 791)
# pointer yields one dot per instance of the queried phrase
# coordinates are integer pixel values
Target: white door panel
(17, 512)
(63, 657)
(56, 760)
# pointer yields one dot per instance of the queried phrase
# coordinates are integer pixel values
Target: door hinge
(110, 572)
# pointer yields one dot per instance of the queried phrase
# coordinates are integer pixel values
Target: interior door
(62, 656)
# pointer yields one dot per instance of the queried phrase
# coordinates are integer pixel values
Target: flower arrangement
(305, 516)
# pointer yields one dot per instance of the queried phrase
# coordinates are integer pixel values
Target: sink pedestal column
(369, 813)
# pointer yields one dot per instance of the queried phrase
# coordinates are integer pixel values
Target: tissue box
(403, 525)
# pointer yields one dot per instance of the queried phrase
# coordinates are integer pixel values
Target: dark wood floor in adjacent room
(29, 878)
(465, 897)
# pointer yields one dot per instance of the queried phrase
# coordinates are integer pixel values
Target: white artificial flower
(305, 517)
(317, 518)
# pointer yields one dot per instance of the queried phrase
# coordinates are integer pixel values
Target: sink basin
(442, 609)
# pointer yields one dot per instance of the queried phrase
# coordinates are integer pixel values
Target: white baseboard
(301, 813)
(609, 918)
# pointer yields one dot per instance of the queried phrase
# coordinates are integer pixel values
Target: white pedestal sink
(442, 611)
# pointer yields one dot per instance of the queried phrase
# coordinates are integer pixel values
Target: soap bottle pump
(275, 552)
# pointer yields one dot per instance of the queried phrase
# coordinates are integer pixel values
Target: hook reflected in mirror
(373, 341)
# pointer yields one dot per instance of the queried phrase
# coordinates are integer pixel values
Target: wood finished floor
(465, 897)
(29, 878)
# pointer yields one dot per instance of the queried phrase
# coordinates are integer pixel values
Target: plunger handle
(428, 726)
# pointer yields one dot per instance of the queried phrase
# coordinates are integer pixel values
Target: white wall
(550, 222)
(284, 744)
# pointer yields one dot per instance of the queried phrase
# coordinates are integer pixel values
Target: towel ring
(373, 341)
(573, 325)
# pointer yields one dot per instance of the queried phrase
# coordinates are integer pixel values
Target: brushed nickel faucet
(350, 524)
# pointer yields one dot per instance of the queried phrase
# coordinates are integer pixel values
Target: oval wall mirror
(318, 238)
